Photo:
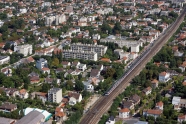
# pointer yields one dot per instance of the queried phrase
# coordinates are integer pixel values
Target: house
(88, 86)
(159, 105)
(152, 112)
(7, 120)
(8, 107)
(111, 120)
(4, 59)
(59, 70)
(74, 98)
(135, 99)
(45, 70)
(66, 64)
(164, 77)
(181, 118)
(128, 104)
(95, 73)
(75, 64)
(23, 94)
(82, 67)
(154, 83)
(124, 113)
(9, 91)
(147, 90)
(39, 95)
(34, 79)
(105, 60)
(59, 114)
(49, 80)
(7, 71)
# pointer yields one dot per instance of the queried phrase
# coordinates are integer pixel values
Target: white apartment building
(89, 55)
(41, 63)
(4, 59)
(134, 45)
(58, 19)
(55, 95)
(24, 49)
(99, 49)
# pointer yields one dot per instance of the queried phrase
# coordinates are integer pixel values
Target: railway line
(94, 114)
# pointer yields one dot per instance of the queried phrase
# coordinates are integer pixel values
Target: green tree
(79, 86)
(55, 62)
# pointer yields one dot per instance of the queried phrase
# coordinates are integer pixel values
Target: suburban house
(65, 64)
(181, 118)
(95, 73)
(59, 114)
(23, 94)
(58, 70)
(75, 64)
(39, 95)
(4, 59)
(8, 107)
(10, 91)
(164, 77)
(159, 105)
(34, 78)
(147, 90)
(127, 104)
(7, 71)
(135, 99)
(88, 86)
(82, 67)
(124, 113)
(74, 98)
(111, 120)
(154, 83)
(42, 65)
(152, 112)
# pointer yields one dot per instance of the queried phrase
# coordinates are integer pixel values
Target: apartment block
(134, 45)
(99, 49)
(55, 95)
(24, 49)
(41, 63)
(4, 59)
(75, 54)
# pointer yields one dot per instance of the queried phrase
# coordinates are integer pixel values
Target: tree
(117, 28)
(55, 62)
(109, 72)
(69, 85)
(79, 86)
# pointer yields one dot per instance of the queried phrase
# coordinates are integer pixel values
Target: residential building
(10, 91)
(41, 63)
(164, 77)
(75, 64)
(8, 107)
(135, 99)
(152, 112)
(7, 120)
(55, 95)
(95, 73)
(65, 64)
(23, 94)
(124, 113)
(88, 86)
(154, 83)
(159, 105)
(33, 117)
(24, 49)
(99, 49)
(4, 59)
(181, 118)
(39, 95)
(124, 42)
(111, 120)
(82, 67)
(128, 104)
(147, 90)
(80, 55)
(59, 114)
(74, 98)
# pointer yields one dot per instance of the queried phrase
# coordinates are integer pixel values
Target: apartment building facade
(99, 49)
(75, 54)
(55, 95)
(24, 49)
(41, 63)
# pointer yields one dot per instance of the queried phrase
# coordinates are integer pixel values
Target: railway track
(93, 116)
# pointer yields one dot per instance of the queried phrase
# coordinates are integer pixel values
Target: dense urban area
(59, 57)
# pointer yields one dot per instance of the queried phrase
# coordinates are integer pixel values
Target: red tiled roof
(125, 110)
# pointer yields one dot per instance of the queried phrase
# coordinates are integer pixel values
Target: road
(93, 116)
